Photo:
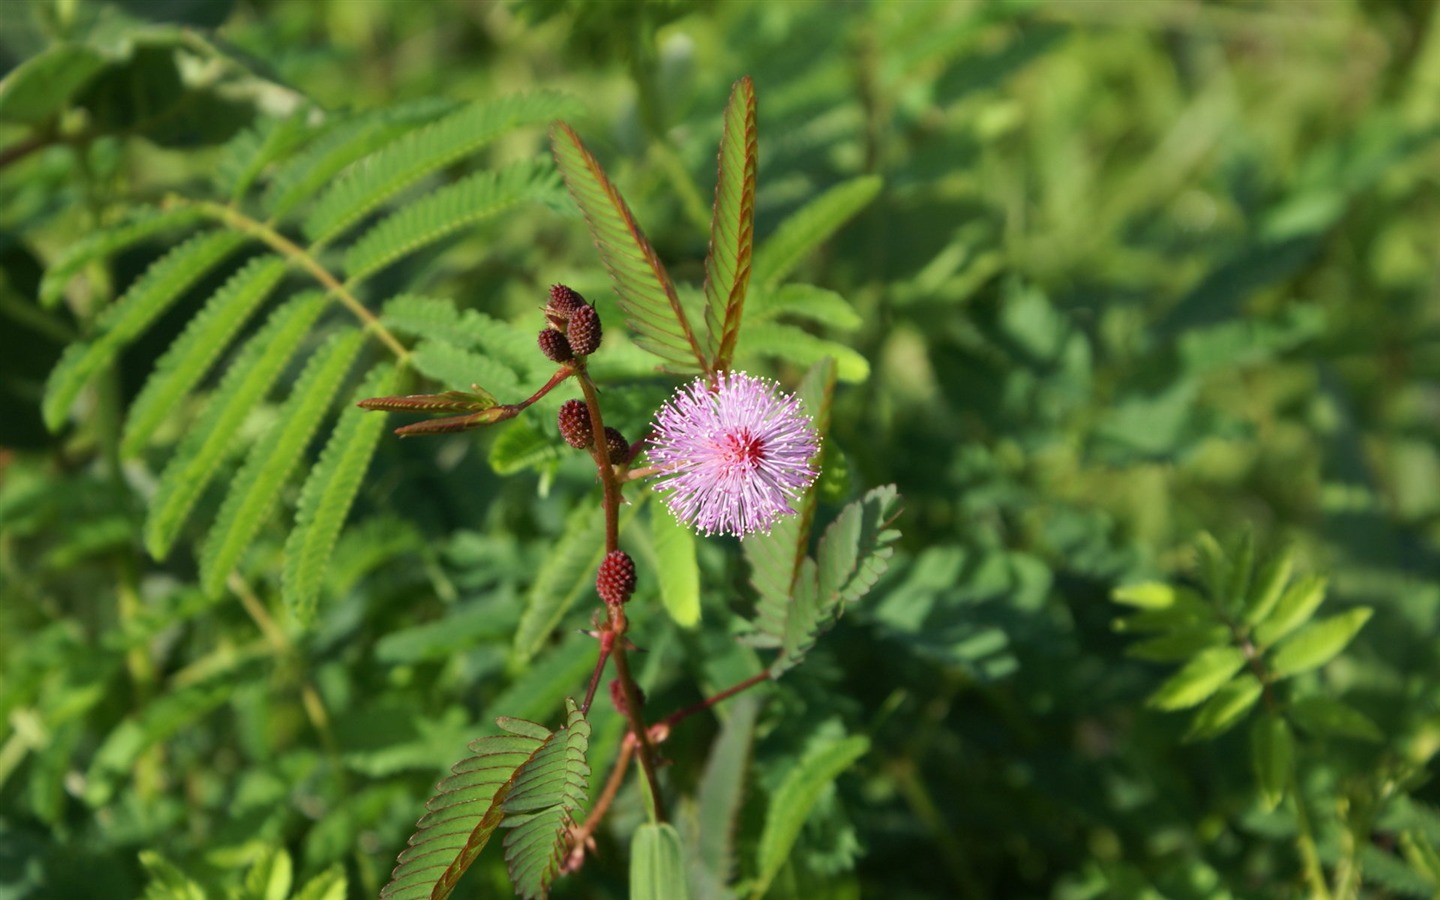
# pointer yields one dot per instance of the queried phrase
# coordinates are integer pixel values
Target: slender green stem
(1305, 844)
(297, 254)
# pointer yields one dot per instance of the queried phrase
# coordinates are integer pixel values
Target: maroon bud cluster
(574, 420)
(616, 579)
(616, 446)
(583, 331)
(573, 327)
(554, 345)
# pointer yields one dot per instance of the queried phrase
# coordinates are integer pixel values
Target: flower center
(741, 448)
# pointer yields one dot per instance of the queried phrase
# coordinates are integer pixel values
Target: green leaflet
(1198, 679)
(135, 227)
(328, 885)
(458, 368)
(792, 803)
(855, 550)
(195, 350)
(439, 320)
(273, 458)
(853, 553)
(422, 152)
(329, 490)
(676, 567)
(806, 301)
(166, 881)
(271, 875)
(568, 572)
(529, 780)
(657, 864)
(445, 211)
(537, 810)
(249, 152)
(811, 226)
(129, 316)
(342, 141)
(722, 788)
(42, 85)
(774, 340)
(1294, 608)
(1272, 753)
(1318, 642)
(212, 439)
(732, 227)
(647, 295)
(521, 446)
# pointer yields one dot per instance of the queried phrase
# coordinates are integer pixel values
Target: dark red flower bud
(616, 446)
(563, 302)
(616, 579)
(554, 345)
(583, 331)
(574, 420)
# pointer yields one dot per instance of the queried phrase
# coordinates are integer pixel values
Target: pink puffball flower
(733, 455)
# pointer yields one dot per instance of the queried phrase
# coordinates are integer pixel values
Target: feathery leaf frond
(195, 350)
(340, 143)
(329, 491)
(273, 458)
(137, 226)
(529, 780)
(212, 439)
(647, 295)
(128, 317)
(444, 212)
(422, 152)
(732, 227)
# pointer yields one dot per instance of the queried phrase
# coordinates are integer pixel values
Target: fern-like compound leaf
(126, 319)
(250, 151)
(212, 439)
(272, 459)
(646, 293)
(195, 350)
(136, 227)
(528, 779)
(810, 226)
(856, 549)
(444, 212)
(732, 227)
(538, 808)
(853, 553)
(416, 154)
(341, 142)
(438, 320)
(329, 491)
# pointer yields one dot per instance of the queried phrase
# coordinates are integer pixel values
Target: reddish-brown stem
(606, 642)
(562, 373)
(617, 624)
(670, 720)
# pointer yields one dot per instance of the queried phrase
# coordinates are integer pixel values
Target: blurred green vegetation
(1134, 270)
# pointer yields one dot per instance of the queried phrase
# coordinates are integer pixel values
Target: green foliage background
(1129, 271)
